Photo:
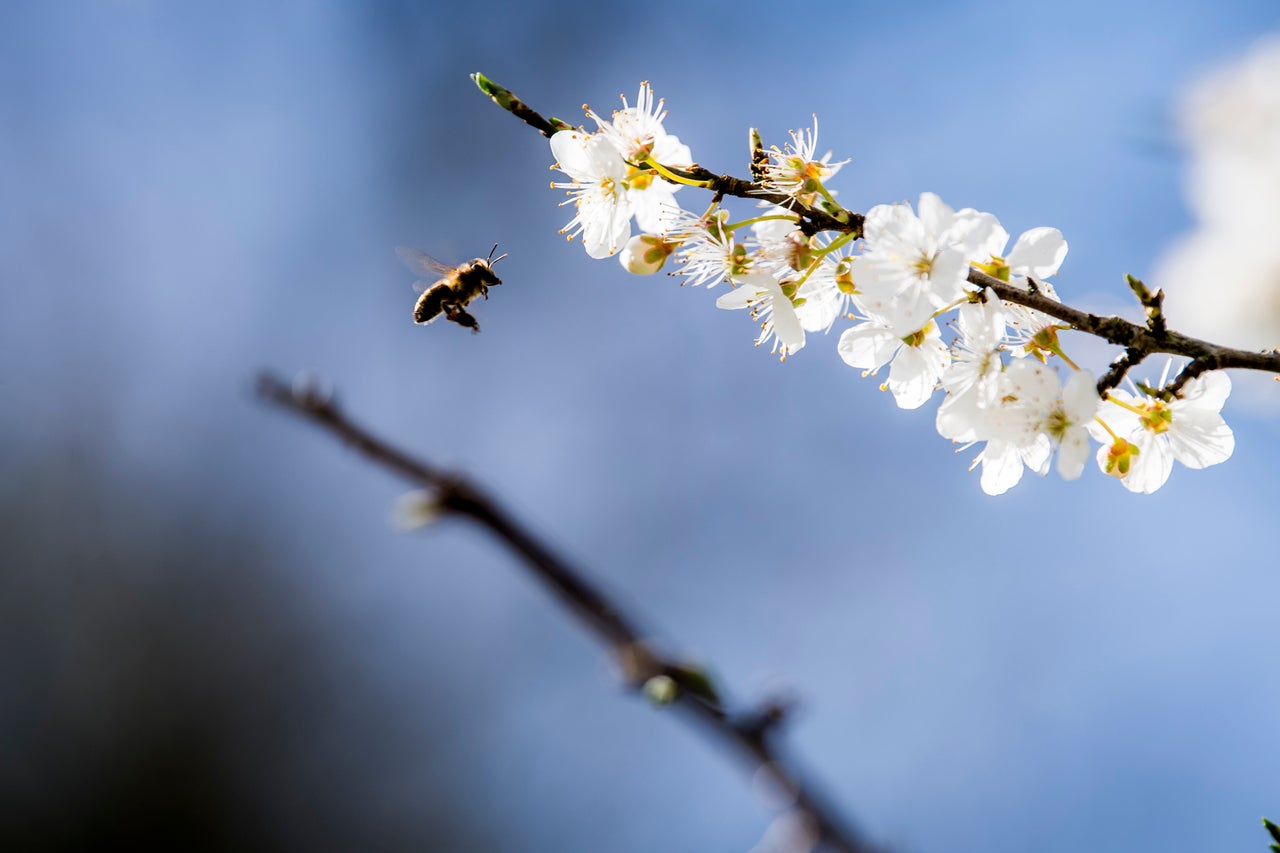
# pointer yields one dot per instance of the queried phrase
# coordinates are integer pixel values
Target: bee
(456, 286)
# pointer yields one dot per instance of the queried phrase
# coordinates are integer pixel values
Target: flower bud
(1117, 460)
(645, 254)
(844, 277)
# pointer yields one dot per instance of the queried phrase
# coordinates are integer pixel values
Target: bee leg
(458, 314)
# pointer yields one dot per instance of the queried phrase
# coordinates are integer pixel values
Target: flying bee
(456, 286)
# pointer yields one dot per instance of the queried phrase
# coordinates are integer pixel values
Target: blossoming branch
(799, 263)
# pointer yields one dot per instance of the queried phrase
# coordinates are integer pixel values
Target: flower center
(799, 252)
(1057, 424)
(609, 188)
(918, 337)
(737, 262)
(1158, 417)
(923, 265)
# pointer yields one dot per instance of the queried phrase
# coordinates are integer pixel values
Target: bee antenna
(492, 259)
(491, 251)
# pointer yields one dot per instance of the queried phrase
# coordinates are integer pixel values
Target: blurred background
(210, 635)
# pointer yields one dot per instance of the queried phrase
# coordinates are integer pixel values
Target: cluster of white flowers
(896, 282)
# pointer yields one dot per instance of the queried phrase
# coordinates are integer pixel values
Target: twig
(1123, 363)
(752, 734)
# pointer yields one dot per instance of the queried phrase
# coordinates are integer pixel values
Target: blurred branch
(752, 733)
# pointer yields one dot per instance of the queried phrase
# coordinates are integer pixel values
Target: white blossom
(637, 132)
(598, 190)
(709, 252)
(915, 362)
(1037, 255)
(794, 171)
(610, 181)
(1153, 432)
(1032, 414)
(782, 247)
(764, 296)
(920, 262)
(976, 364)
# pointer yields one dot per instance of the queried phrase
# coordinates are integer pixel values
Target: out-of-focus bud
(661, 690)
(414, 510)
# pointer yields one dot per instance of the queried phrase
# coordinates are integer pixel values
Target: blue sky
(189, 193)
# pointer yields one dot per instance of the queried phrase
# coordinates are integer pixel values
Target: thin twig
(752, 734)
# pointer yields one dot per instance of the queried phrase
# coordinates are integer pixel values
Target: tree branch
(752, 734)
(1138, 341)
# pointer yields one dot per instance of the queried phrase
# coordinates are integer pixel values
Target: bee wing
(420, 263)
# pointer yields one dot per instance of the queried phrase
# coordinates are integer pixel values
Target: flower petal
(935, 214)
(739, 297)
(1001, 467)
(979, 236)
(1038, 253)
(914, 374)
(1074, 453)
(867, 346)
(1151, 467)
(1080, 398)
(1207, 391)
(1204, 441)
